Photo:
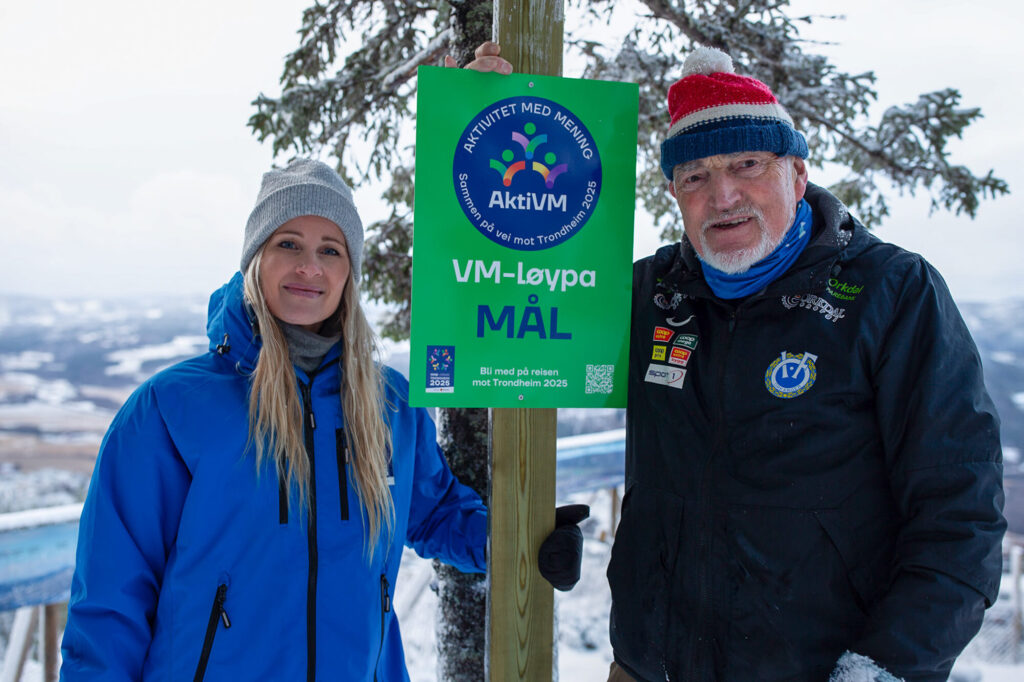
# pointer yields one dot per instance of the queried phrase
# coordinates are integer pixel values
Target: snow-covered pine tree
(352, 79)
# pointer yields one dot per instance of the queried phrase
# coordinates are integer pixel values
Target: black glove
(561, 553)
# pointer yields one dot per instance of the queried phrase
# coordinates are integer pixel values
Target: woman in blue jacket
(248, 508)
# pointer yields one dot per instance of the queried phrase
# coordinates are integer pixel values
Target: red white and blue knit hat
(715, 111)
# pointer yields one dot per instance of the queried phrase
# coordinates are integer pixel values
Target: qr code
(599, 378)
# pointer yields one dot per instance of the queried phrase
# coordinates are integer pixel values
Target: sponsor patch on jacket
(686, 341)
(663, 334)
(790, 374)
(665, 303)
(676, 322)
(679, 356)
(666, 375)
(658, 353)
(815, 303)
(844, 291)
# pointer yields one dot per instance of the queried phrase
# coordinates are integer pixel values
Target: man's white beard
(740, 260)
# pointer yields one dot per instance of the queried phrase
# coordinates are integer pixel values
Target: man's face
(737, 207)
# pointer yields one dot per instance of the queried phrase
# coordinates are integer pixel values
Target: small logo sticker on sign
(440, 369)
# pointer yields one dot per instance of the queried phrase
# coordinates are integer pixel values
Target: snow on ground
(25, 360)
(130, 361)
(584, 652)
(40, 489)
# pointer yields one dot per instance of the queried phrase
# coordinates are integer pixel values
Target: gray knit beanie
(303, 187)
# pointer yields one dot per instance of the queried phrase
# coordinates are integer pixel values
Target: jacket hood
(231, 332)
(837, 236)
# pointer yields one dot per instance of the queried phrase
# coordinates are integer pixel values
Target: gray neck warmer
(307, 349)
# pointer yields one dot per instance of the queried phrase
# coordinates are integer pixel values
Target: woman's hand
(487, 59)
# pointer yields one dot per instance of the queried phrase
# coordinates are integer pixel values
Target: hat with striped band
(716, 111)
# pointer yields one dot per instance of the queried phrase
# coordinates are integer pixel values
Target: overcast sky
(127, 165)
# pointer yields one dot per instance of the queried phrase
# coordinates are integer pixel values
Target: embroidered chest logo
(815, 303)
(666, 304)
(678, 323)
(844, 291)
(791, 375)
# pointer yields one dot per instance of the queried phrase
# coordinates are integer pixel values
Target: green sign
(523, 240)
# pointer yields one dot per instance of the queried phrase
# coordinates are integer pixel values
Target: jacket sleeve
(940, 436)
(447, 519)
(127, 529)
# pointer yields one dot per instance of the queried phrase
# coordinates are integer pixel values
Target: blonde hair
(275, 412)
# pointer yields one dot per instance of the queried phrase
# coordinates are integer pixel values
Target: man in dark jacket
(813, 468)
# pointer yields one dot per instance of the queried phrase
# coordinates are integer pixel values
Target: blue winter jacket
(192, 565)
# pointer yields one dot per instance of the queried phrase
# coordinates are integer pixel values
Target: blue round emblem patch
(527, 173)
(791, 375)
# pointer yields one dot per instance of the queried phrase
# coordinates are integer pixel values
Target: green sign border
(579, 288)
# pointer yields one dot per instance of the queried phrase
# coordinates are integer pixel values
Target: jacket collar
(231, 328)
(834, 233)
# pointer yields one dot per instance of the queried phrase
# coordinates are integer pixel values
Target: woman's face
(304, 270)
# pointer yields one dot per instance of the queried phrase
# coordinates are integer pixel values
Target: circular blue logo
(791, 375)
(527, 173)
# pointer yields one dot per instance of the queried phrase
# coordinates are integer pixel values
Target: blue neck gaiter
(769, 268)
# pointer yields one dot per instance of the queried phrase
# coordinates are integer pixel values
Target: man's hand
(561, 553)
(487, 59)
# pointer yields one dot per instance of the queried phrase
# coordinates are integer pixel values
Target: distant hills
(67, 365)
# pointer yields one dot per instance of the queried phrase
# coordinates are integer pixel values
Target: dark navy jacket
(813, 469)
(192, 565)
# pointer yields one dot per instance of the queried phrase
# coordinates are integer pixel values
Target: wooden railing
(37, 557)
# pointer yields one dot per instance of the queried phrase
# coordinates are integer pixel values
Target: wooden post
(49, 640)
(520, 603)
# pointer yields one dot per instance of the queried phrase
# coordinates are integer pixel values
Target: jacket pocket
(385, 609)
(866, 545)
(218, 614)
(640, 575)
(341, 450)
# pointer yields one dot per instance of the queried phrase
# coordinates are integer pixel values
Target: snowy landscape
(67, 365)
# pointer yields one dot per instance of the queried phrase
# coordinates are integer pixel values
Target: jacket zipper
(308, 427)
(341, 446)
(218, 612)
(282, 499)
(700, 665)
(385, 608)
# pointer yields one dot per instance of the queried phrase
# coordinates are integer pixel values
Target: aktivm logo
(527, 173)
